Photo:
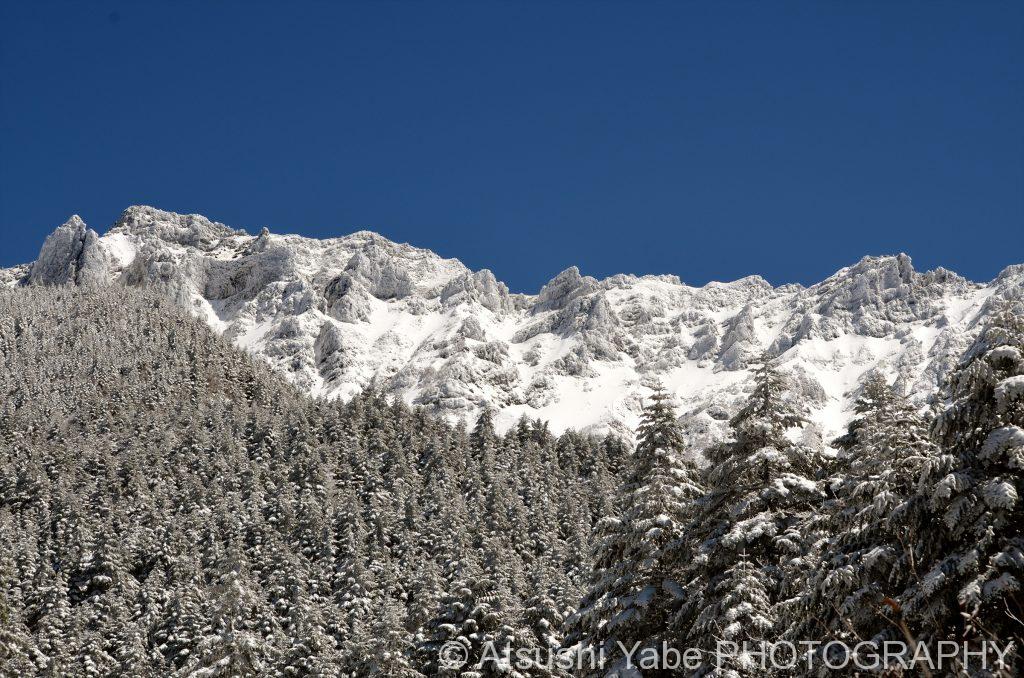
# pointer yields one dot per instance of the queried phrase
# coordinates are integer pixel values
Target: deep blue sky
(709, 140)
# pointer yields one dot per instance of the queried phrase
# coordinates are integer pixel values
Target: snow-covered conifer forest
(234, 455)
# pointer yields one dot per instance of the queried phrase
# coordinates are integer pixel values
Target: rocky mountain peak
(564, 287)
(1011, 272)
(872, 297)
(336, 315)
(750, 282)
(192, 230)
(73, 223)
(67, 255)
(480, 287)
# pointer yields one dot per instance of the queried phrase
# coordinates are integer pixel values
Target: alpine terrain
(335, 316)
(226, 455)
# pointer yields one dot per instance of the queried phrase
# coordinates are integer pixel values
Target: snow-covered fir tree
(871, 525)
(969, 586)
(760, 487)
(627, 602)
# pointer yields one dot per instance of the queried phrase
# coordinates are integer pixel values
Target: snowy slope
(337, 315)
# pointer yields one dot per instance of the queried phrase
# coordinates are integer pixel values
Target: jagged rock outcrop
(562, 289)
(69, 255)
(337, 315)
(739, 344)
(481, 288)
(874, 296)
(187, 230)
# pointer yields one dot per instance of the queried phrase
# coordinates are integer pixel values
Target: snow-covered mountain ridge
(338, 314)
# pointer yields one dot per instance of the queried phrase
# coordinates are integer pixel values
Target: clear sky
(709, 140)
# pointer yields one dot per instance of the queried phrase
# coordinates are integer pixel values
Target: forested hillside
(168, 506)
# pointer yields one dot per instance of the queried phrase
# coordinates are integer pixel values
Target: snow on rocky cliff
(337, 315)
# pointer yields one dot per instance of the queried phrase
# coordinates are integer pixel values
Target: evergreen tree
(969, 585)
(17, 650)
(626, 602)
(872, 524)
(741, 618)
(759, 486)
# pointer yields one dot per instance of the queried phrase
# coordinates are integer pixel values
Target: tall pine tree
(627, 602)
(970, 586)
(759, 487)
(873, 523)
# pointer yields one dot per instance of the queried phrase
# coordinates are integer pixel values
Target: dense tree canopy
(170, 507)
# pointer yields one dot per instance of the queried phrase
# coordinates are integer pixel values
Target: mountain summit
(337, 315)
